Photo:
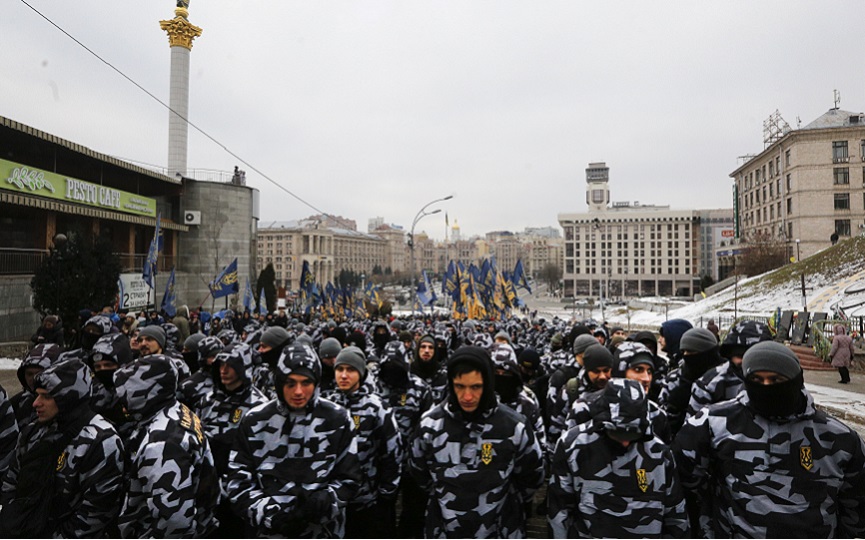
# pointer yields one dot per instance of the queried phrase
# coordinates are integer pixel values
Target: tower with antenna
(180, 35)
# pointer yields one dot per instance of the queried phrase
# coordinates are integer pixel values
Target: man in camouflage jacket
(612, 477)
(775, 466)
(81, 447)
(173, 487)
(294, 467)
(478, 460)
(379, 449)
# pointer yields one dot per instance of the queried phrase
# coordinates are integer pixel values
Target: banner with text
(29, 180)
(134, 292)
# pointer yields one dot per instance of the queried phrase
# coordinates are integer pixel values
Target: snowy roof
(293, 224)
(836, 118)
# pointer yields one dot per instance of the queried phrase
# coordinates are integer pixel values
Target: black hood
(479, 359)
(147, 385)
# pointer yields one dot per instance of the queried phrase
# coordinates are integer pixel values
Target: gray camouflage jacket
(800, 476)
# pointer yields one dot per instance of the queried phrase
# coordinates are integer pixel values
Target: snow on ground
(10, 363)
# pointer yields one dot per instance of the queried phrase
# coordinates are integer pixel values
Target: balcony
(14, 261)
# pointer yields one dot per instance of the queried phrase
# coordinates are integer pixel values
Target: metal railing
(14, 261)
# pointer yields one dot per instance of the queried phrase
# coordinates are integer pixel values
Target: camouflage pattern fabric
(8, 432)
(720, 383)
(602, 489)
(285, 459)
(581, 413)
(379, 445)
(407, 402)
(173, 487)
(89, 470)
(478, 474)
(800, 476)
(41, 356)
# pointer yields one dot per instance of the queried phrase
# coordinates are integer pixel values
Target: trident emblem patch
(356, 419)
(61, 461)
(487, 453)
(805, 458)
(642, 481)
(235, 416)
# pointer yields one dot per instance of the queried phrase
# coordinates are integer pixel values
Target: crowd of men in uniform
(318, 428)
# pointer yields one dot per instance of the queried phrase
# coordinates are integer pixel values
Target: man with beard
(294, 466)
(775, 465)
(430, 366)
(478, 460)
(66, 480)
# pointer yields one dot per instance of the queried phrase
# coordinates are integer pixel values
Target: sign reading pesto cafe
(23, 179)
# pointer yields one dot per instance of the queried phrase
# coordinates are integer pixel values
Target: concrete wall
(227, 231)
(18, 319)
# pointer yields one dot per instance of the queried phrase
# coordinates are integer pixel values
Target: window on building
(789, 230)
(839, 152)
(842, 201)
(771, 170)
(862, 149)
(789, 184)
(787, 158)
(842, 227)
(841, 175)
(771, 191)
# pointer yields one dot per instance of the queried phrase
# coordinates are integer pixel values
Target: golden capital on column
(180, 31)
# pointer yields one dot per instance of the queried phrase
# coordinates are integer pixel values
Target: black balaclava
(780, 399)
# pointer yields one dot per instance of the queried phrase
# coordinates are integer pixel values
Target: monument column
(180, 35)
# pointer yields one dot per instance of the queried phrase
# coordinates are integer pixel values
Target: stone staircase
(808, 360)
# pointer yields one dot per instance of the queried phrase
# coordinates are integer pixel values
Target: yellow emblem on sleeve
(487, 453)
(356, 419)
(235, 416)
(61, 461)
(805, 458)
(642, 480)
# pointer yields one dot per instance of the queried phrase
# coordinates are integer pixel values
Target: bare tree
(551, 274)
(762, 252)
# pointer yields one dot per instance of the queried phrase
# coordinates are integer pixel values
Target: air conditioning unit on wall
(192, 217)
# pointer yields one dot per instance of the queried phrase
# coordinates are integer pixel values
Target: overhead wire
(190, 123)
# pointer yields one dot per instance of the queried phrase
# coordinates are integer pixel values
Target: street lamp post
(596, 224)
(804, 297)
(420, 215)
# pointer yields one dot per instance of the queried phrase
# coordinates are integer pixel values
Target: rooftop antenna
(837, 96)
(798, 122)
(774, 128)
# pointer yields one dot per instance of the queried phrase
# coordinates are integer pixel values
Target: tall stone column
(180, 35)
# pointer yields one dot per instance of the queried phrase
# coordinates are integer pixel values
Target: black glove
(317, 505)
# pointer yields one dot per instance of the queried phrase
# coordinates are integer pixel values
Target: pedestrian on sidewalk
(842, 352)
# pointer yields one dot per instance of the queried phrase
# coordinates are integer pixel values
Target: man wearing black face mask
(108, 354)
(270, 347)
(511, 392)
(700, 354)
(778, 466)
(93, 329)
(198, 386)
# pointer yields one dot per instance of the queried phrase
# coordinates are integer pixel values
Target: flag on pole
(169, 299)
(424, 291)
(262, 303)
(226, 282)
(149, 270)
(519, 277)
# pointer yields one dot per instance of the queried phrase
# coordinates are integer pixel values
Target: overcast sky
(374, 108)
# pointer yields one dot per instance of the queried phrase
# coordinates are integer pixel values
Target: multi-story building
(396, 257)
(716, 231)
(628, 250)
(288, 244)
(806, 185)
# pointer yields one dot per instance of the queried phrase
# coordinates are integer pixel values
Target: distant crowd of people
(419, 426)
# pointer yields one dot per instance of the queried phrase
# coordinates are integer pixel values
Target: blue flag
(226, 282)
(519, 278)
(425, 294)
(169, 299)
(152, 254)
(262, 303)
